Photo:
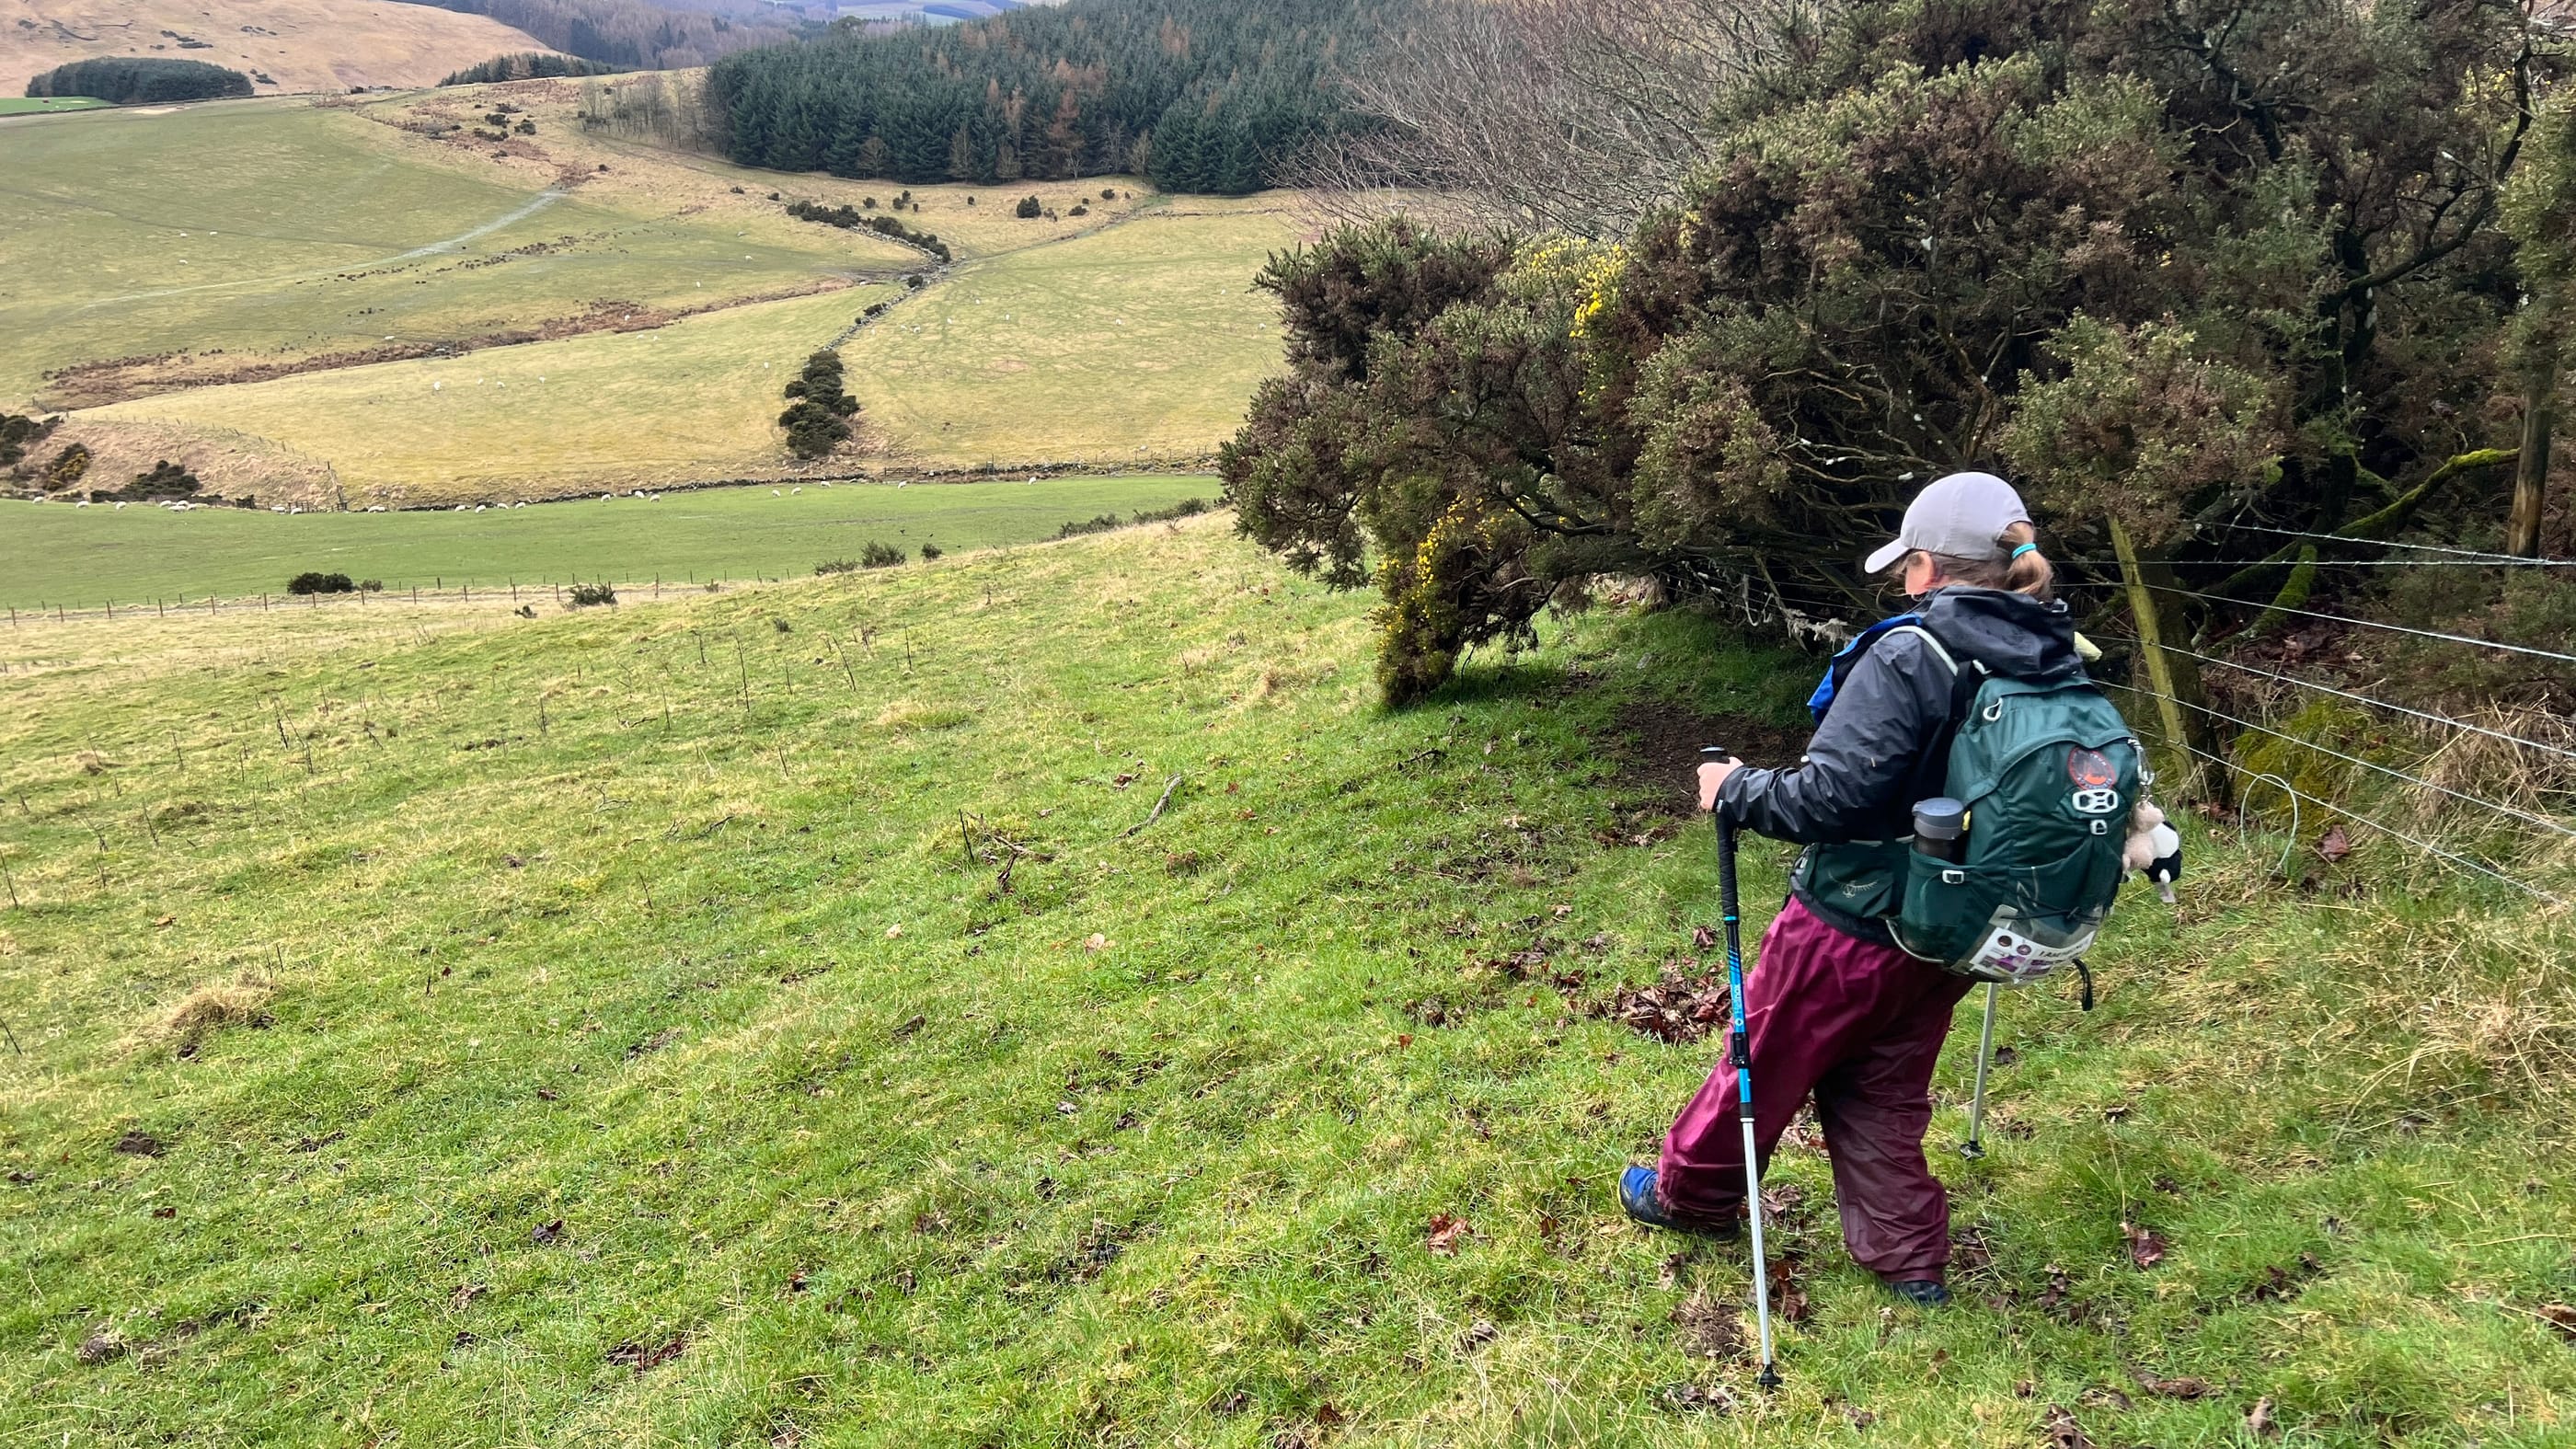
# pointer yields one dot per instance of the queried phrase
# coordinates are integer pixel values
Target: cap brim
(1893, 550)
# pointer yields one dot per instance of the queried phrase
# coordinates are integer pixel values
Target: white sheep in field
(479, 507)
(120, 508)
(84, 503)
(795, 490)
(774, 493)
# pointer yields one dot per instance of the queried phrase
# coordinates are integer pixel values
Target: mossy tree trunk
(2193, 751)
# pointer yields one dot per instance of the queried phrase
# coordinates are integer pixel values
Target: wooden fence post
(2173, 678)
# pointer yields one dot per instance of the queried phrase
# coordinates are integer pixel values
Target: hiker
(1835, 1007)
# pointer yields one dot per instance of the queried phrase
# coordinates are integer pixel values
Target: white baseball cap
(1963, 515)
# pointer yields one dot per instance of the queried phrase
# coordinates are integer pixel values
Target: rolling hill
(284, 45)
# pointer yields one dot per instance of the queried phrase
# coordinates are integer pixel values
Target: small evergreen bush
(880, 555)
(1028, 208)
(583, 596)
(315, 582)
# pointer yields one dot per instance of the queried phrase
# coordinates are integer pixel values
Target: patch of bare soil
(1656, 743)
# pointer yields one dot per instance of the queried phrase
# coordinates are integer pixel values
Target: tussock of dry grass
(212, 1007)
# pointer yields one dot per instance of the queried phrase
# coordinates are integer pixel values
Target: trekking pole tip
(1972, 1149)
(1769, 1378)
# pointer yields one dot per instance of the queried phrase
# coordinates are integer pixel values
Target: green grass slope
(86, 557)
(1143, 340)
(440, 1027)
(282, 229)
(695, 400)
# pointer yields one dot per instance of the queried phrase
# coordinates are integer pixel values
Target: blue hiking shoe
(1639, 1198)
(1922, 1292)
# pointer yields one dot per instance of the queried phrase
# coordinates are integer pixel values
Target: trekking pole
(1975, 1146)
(1740, 1054)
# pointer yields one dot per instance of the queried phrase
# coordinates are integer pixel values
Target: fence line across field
(272, 603)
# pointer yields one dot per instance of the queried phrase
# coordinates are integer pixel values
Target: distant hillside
(1199, 95)
(282, 45)
(635, 34)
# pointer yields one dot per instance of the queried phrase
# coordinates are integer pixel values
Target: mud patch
(1655, 744)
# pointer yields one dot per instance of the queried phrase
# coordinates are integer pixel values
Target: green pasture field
(1144, 340)
(283, 229)
(46, 105)
(692, 401)
(1040, 998)
(87, 557)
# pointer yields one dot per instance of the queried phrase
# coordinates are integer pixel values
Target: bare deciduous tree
(1565, 115)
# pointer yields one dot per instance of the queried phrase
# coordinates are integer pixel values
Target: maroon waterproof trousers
(1859, 1025)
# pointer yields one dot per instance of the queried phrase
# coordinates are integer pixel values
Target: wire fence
(2483, 836)
(514, 594)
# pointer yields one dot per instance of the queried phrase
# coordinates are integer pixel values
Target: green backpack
(2049, 772)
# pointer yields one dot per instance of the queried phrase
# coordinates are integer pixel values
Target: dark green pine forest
(1196, 95)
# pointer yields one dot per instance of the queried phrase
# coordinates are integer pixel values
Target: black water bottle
(1941, 828)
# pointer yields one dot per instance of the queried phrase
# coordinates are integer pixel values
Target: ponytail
(2026, 569)
(2016, 565)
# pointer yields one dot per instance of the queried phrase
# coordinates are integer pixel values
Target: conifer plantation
(1200, 96)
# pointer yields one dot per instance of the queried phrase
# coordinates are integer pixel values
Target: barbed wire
(2560, 751)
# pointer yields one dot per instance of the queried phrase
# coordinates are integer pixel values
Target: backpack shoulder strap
(1964, 680)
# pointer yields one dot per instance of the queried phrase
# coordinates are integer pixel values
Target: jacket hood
(2011, 634)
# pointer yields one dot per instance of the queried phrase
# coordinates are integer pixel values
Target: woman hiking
(1833, 1006)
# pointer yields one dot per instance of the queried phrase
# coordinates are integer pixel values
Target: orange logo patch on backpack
(2090, 769)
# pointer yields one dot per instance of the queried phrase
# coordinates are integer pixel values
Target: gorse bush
(850, 218)
(1101, 524)
(879, 555)
(837, 566)
(584, 596)
(165, 480)
(818, 414)
(929, 551)
(316, 582)
(19, 432)
(1028, 207)
(67, 468)
(2084, 246)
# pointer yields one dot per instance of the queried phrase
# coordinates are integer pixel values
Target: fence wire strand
(2410, 711)
(2369, 624)
(2358, 818)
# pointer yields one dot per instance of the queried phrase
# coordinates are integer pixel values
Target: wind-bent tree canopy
(2202, 259)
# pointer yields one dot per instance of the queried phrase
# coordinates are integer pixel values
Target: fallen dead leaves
(2146, 1247)
(645, 1355)
(1679, 1008)
(1446, 1232)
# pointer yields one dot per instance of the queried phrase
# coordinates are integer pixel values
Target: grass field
(692, 401)
(1144, 340)
(301, 45)
(442, 1027)
(88, 557)
(253, 233)
(46, 105)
